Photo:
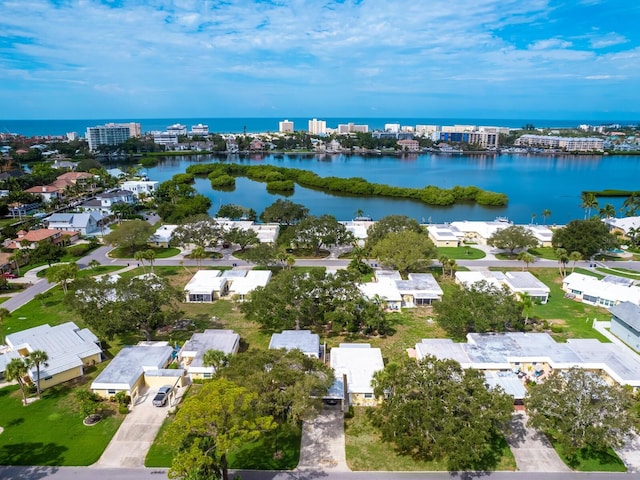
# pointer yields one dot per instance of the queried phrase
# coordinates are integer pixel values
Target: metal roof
(226, 341)
(628, 313)
(303, 340)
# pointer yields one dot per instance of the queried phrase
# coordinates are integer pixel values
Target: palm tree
(150, 256)
(533, 218)
(526, 258)
(631, 205)
(16, 370)
(575, 257)
(139, 256)
(198, 254)
(38, 358)
(4, 314)
(527, 305)
(589, 201)
(452, 266)
(17, 257)
(444, 261)
(545, 213)
(215, 358)
(608, 211)
(563, 259)
(633, 234)
(290, 261)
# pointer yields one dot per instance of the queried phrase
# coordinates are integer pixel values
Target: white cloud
(551, 43)
(608, 40)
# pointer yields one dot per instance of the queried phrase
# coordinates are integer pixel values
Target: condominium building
(109, 134)
(177, 128)
(570, 144)
(200, 129)
(392, 127)
(165, 138)
(286, 126)
(317, 127)
(352, 128)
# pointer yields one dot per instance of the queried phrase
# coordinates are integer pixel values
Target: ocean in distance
(533, 183)
(45, 128)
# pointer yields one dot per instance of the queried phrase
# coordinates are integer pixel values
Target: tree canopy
(390, 224)
(317, 232)
(479, 308)
(585, 236)
(200, 230)
(435, 410)
(284, 211)
(138, 305)
(581, 411)
(404, 250)
(512, 238)
(298, 299)
(131, 235)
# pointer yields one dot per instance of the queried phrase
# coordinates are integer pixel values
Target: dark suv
(161, 397)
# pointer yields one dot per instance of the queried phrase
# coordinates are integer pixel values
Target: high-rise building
(199, 129)
(317, 127)
(109, 134)
(352, 128)
(392, 127)
(285, 126)
(177, 129)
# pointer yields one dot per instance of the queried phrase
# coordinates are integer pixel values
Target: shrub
(222, 181)
(281, 186)
(123, 409)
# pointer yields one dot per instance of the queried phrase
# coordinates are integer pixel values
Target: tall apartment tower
(317, 127)
(286, 127)
(109, 134)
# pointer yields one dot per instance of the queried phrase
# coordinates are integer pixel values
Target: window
(207, 375)
(111, 391)
(368, 395)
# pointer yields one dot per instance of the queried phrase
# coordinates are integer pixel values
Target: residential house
(104, 201)
(206, 286)
(359, 227)
(354, 365)
(388, 287)
(192, 352)
(257, 145)
(605, 292)
(479, 232)
(532, 356)
(162, 236)
(626, 225)
(625, 323)
(19, 210)
(70, 350)
(242, 282)
(267, 232)
(518, 283)
(140, 187)
(116, 173)
(408, 145)
(445, 235)
(303, 340)
(83, 223)
(137, 368)
(76, 178)
(48, 193)
(32, 238)
(542, 234)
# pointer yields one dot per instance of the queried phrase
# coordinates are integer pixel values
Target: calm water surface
(532, 183)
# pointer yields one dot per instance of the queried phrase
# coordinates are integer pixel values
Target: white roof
(267, 232)
(384, 288)
(163, 233)
(359, 362)
(242, 282)
(205, 282)
(469, 278)
(542, 233)
(66, 345)
(625, 224)
(130, 364)
(359, 228)
(226, 341)
(303, 340)
(607, 290)
(445, 232)
(420, 285)
(483, 229)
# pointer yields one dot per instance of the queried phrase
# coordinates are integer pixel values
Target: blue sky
(545, 59)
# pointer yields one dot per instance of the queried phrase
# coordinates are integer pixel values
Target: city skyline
(362, 58)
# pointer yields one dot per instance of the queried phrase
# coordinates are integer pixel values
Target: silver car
(161, 397)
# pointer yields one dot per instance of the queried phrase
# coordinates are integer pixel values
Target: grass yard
(567, 318)
(461, 253)
(589, 461)
(367, 452)
(620, 272)
(160, 252)
(50, 431)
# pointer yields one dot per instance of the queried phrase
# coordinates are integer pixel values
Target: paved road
(83, 473)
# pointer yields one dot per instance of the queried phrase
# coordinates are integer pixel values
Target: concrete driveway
(630, 454)
(130, 444)
(322, 444)
(531, 449)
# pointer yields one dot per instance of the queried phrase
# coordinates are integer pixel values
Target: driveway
(130, 444)
(531, 449)
(630, 454)
(322, 444)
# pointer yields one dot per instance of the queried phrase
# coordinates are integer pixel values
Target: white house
(104, 201)
(419, 289)
(479, 232)
(243, 282)
(192, 352)
(356, 362)
(445, 235)
(625, 323)
(84, 223)
(148, 187)
(267, 232)
(162, 235)
(606, 293)
(518, 283)
(303, 340)
(206, 286)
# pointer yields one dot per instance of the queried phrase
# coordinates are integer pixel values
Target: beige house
(356, 363)
(70, 349)
(138, 368)
(192, 352)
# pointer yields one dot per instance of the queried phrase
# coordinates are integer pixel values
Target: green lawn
(367, 452)
(461, 253)
(620, 272)
(548, 253)
(590, 461)
(566, 317)
(50, 431)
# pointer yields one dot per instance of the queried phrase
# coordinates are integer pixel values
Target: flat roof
(627, 312)
(226, 341)
(359, 362)
(205, 282)
(130, 363)
(303, 340)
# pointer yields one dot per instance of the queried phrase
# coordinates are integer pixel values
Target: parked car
(9, 275)
(160, 400)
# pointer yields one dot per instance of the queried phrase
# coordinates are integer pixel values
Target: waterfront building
(485, 139)
(200, 129)
(427, 130)
(392, 127)
(317, 127)
(352, 128)
(165, 138)
(148, 187)
(569, 144)
(409, 145)
(72, 136)
(285, 126)
(177, 129)
(109, 134)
